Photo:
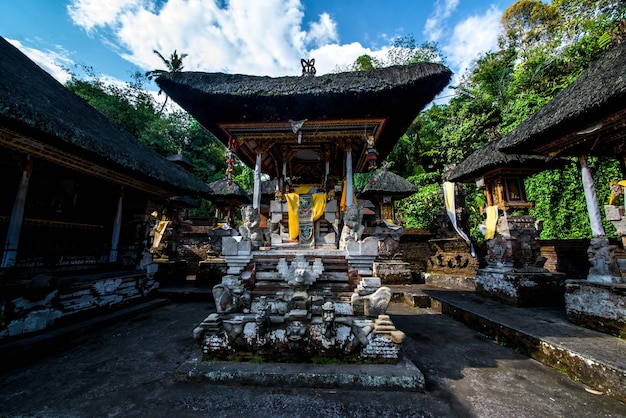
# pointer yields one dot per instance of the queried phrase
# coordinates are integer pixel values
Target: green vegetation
(543, 49)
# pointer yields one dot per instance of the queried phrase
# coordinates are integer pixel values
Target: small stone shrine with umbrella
(384, 189)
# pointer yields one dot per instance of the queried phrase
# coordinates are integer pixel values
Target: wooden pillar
(349, 185)
(256, 197)
(117, 226)
(17, 216)
(593, 209)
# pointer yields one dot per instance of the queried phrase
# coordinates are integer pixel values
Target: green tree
(173, 64)
(528, 23)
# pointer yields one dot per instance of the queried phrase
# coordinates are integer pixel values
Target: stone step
(273, 276)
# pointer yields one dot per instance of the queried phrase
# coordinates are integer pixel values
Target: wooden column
(256, 198)
(117, 226)
(17, 216)
(349, 180)
(593, 209)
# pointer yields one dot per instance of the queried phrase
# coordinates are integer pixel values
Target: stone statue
(352, 227)
(251, 226)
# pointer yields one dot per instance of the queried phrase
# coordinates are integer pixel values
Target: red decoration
(372, 156)
(230, 161)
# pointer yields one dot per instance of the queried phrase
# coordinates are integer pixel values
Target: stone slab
(597, 306)
(402, 376)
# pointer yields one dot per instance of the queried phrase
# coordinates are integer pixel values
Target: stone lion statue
(352, 228)
(251, 224)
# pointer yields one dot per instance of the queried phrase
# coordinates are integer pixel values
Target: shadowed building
(78, 197)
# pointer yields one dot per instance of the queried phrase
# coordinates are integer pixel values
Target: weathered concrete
(598, 306)
(591, 357)
(393, 272)
(521, 287)
(402, 376)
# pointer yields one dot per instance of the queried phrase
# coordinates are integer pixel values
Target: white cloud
(91, 13)
(434, 26)
(263, 38)
(332, 57)
(54, 63)
(324, 31)
(471, 37)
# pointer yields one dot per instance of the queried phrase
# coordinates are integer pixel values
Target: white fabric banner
(448, 196)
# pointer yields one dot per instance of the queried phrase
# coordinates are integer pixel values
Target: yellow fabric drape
(160, 231)
(292, 211)
(319, 205)
(342, 204)
(491, 222)
(616, 190)
(304, 188)
(389, 223)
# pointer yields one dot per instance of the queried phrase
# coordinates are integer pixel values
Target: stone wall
(563, 256)
(415, 248)
(46, 301)
(566, 256)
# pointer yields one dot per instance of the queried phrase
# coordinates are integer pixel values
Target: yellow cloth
(160, 231)
(389, 223)
(292, 211)
(491, 222)
(342, 204)
(616, 190)
(304, 188)
(319, 205)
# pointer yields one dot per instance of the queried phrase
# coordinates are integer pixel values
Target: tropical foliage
(543, 48)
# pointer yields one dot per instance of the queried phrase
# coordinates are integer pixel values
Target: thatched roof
(586, 117)
(180, 160)
(267, 188)
(387, 183)
(489, 158)
(228, 194)
(389, 98)
(39, 112)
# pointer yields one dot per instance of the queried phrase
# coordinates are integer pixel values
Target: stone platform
(402, 376)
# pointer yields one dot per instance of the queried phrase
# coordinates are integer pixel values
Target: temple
(300, 280)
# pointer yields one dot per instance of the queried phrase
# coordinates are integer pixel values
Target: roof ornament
(295, 127)
(308, 67)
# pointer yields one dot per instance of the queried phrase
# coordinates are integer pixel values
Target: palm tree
(173, 64)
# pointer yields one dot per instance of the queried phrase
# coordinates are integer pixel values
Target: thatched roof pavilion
(490, 158)
(338, 111)
(225, 194)
(586, 117)
(387, 183)
(41, 117)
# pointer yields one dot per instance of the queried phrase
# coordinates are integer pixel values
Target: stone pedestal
(514, 274)
(597, 306)
(452, 266)
(521, 288)
(599, 303)
(393, 272)
(362, 254)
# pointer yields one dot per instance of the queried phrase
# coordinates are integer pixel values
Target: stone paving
(127, 369)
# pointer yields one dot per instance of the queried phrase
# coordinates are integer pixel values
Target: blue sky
(268, 37)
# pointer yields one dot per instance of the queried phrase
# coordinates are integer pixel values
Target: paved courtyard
(126, 369)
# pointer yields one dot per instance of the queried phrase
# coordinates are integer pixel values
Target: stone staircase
(333, 284)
